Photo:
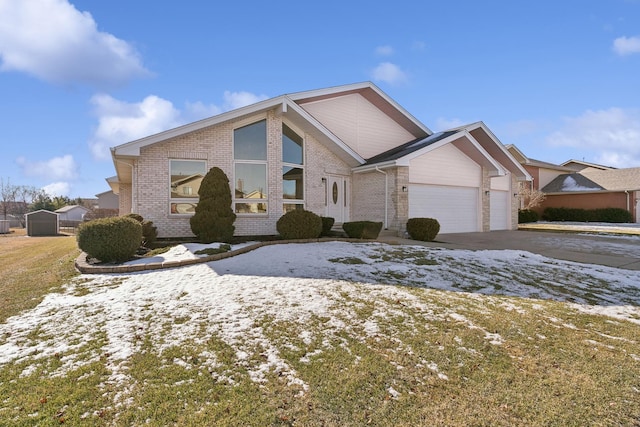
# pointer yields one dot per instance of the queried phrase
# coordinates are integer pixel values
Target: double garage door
(457, 209)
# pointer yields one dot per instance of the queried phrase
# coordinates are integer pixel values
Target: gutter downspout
(628, 205)
(386, 197)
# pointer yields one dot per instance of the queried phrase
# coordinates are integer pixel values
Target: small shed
(42, 223)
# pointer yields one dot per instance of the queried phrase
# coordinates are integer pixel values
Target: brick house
(583, 185)
(348, 152)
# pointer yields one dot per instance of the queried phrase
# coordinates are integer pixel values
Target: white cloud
(626, 45)
(57, 189)
(59, 168)
(613, 135)
(120, 122)
(52, 40)
(385, 50)
(389, 73)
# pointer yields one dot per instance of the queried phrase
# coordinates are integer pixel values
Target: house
(348, 152)
(107, 200)
(72, 213)
(583, 185)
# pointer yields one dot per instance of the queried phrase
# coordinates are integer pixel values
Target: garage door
(499, 210)
(455, 208)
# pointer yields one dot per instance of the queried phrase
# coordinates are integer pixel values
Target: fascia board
(501, 147)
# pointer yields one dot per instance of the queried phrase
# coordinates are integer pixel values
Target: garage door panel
(499, 210)
(455, 208)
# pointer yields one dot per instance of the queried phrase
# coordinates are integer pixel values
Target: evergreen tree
(214, 217)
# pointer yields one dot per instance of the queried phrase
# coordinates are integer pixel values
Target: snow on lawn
(231, 298)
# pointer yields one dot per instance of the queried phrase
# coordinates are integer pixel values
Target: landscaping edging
(83, 266)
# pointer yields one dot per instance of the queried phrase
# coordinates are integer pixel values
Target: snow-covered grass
(331, 333)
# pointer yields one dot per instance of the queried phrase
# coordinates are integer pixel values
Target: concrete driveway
(621, 251)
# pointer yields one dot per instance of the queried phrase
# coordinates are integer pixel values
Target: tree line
(18, 200)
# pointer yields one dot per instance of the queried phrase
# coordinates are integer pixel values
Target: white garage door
(499, 210)
(455, 208)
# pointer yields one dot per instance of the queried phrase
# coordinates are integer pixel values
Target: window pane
(183, 208)
(251, 181)
(291, 146)
(248, 208)
(288, 207)
(250, 142)
(186, 177)
(292, 179)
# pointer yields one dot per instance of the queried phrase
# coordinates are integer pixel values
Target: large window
(185, 179)
(250, 168)
(292, 170)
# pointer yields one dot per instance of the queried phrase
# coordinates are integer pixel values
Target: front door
(337, 206)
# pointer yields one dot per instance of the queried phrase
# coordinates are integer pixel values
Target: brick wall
(150, 196)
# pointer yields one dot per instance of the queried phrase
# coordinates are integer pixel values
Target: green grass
(414, 357)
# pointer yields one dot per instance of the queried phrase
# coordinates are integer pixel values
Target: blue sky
(559, 79)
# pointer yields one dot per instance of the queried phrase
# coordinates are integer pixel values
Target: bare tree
(8, 193)
(531, 198)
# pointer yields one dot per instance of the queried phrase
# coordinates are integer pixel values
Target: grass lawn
(203, 345)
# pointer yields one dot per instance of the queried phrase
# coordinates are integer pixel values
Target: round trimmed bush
(362, 229)
(110, 239)
(299, 224)
(327, 224)
(423, 229)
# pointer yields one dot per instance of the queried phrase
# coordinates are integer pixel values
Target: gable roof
(523, 159)
(475, 140)
(409, 147)
(615, 179)
(287, 105)
(571, 183)
(578, 165)
(71, 208)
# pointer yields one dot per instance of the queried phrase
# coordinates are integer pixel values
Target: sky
(559, 79)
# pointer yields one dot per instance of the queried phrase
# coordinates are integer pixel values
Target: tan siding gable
(358, 123)
(445, 166)
(501, 182)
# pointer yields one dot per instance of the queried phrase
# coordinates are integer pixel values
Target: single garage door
(499, 210)
(455, 208)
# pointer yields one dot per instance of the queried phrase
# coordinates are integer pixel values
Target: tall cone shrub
(214, 217)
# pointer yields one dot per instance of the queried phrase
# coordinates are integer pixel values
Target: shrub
(110, 239)
(327, 224)
(424, 229)
(616, 215)
(214, 218)
(299, 224)
(362, 229)
(149, 231)
(527, 215)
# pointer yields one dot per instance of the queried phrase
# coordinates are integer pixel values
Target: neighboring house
(72, 213)
(582, 185)
(347, 152)
(107, 200)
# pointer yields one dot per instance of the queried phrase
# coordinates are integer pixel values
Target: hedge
(299, 224)
(110, 239)
(527, 215)
(424, 229)
(615, 215)
(362, 229)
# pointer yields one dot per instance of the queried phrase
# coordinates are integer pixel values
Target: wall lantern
(404, 188)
